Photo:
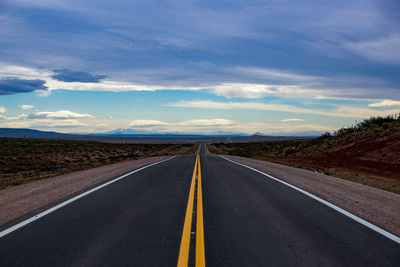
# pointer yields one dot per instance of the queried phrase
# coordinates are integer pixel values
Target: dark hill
(30, 133)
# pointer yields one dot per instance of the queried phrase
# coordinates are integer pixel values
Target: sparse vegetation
(24, 160)
(367, 152)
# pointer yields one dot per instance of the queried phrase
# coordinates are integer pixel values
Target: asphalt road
(249, 220)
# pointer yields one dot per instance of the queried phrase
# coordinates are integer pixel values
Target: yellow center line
(185, 241)
(200, 255)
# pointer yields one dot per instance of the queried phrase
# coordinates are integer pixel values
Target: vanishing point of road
(196, 211)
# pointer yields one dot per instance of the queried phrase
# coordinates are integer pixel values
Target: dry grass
(24, 160)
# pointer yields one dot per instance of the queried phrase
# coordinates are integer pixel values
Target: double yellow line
(185, 241)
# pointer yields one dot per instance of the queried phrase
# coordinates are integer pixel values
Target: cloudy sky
(184, 66)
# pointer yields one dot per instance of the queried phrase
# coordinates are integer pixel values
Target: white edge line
(44, 213)
(342, 211)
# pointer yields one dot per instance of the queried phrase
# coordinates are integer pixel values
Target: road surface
(249, 220)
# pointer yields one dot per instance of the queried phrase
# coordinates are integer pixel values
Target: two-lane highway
(249, 220)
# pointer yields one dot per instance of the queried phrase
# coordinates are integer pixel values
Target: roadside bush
(365, 125)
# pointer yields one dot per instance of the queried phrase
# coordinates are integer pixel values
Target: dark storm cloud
(11, 85)
(66, 75)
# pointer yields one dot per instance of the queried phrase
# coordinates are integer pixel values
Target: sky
(278, 67)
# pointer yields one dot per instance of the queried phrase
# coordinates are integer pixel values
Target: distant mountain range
(128, 137)
(30, 133)
(138, 133)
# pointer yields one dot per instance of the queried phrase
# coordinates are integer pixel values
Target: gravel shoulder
(377, 206)
(18, 201)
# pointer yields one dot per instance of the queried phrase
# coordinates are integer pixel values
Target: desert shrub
(378, 121)
(385, 125)
(366, 125)
(325, 135)
(343, 131)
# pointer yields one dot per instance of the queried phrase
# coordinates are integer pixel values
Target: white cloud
(229, 90)
(187, 126)
(19, 117)
(212, 122)
(23, 72)
(386, 50)
(212, 126)
(263, 82)
(191, 123)
(267, 73)
(244, 90)
(102, 86)
(314, 90)
(44, 124)
(52, 84)
(2, 110)
(25, 107)
(385, 104)
(58, 115)
(340, 111)
(44, 120)
(146, 123)
(291, 120)
(365, 113)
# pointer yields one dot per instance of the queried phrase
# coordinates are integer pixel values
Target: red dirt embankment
(375, 162)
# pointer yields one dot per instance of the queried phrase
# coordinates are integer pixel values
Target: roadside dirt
(377, 206)
(20, 200)
(376, 162)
